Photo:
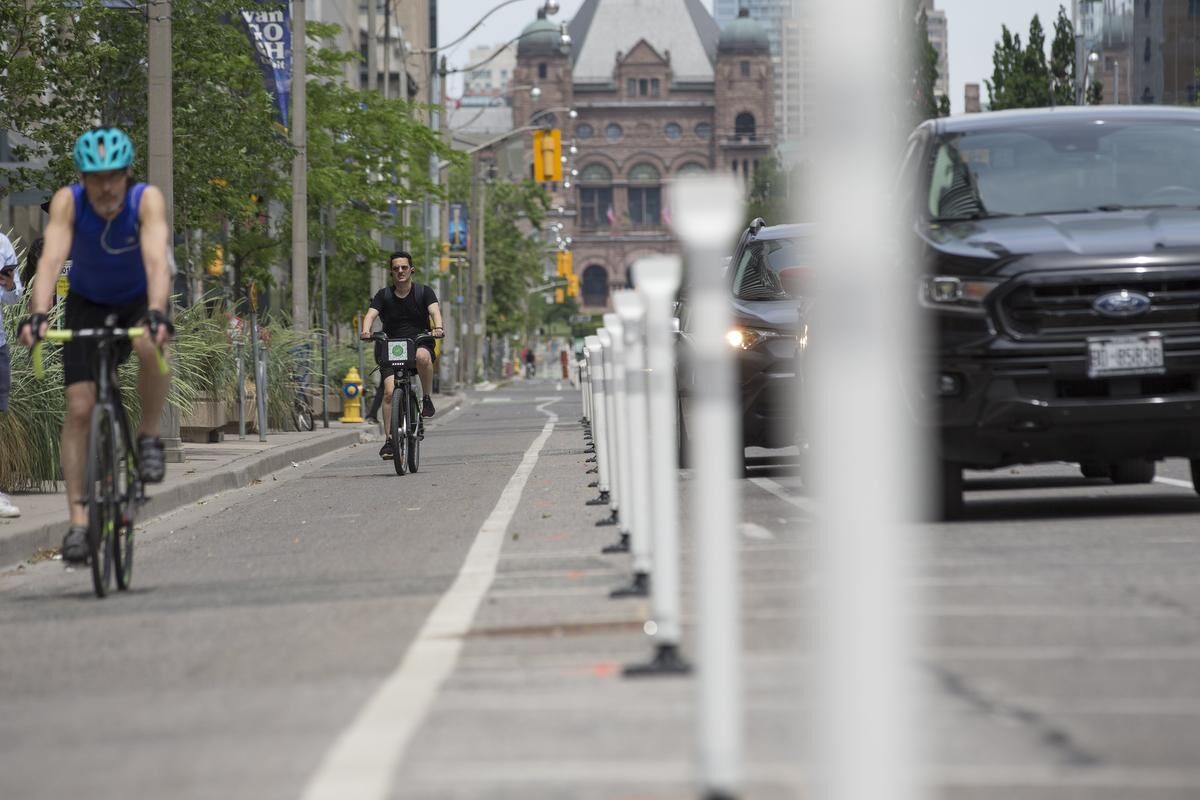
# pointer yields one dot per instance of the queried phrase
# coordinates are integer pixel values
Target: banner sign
(271, 33)
(457, 230)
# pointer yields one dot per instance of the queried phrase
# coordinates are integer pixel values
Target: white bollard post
(869, 445)
(633, 315)
(586, 391)
(599, 423)
(614, 371)
(707, 210)
(657, 280)
(611, 445)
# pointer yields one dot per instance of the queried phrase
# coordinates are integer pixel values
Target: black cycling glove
(156, 319)
(34, 322)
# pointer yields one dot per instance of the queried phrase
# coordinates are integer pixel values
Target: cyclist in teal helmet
(115, 232)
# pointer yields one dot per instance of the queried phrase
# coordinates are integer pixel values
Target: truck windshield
(1065, 166)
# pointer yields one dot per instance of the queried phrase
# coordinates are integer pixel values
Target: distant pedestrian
(10, 293)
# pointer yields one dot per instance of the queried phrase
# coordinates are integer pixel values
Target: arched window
(595, 286)
(645, 196)
(743, 126)
(595, 196)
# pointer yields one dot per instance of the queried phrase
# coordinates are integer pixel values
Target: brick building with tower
(659, 91)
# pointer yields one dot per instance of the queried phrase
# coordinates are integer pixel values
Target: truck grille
(1065, 309)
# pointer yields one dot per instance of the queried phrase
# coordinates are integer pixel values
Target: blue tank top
(106, 256)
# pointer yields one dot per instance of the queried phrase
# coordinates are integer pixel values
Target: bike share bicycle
(114, 486)
(407, 427)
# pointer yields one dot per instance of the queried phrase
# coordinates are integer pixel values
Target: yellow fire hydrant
(352, 387)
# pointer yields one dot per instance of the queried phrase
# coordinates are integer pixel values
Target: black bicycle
(114, 485)
(407, 428)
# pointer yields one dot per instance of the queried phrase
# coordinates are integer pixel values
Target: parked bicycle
(114, 486)
(407, 427)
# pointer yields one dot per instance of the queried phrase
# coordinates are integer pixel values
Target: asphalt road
(318, 633)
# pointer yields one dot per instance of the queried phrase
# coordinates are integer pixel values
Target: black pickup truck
(1061, 265)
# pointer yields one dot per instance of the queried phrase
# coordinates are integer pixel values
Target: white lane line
(777, 489)
(753, 530)
(366, 756)
(496, 400)
(1175, 482)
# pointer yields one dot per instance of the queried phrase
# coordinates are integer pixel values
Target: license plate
(1125, 355)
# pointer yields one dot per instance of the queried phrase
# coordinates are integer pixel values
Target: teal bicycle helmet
(103, 149)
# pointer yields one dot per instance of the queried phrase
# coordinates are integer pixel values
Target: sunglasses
(401, 268)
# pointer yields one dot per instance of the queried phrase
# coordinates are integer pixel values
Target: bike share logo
(1121, 304)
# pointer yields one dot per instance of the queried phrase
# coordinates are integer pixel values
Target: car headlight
(743, 338)
(950, 293)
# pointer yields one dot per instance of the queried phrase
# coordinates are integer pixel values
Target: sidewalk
(207, 470)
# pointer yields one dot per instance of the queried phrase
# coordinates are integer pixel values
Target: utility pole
(387, 49)
(372, 50)
(1080, 57)
(299, 170)
(161, 163)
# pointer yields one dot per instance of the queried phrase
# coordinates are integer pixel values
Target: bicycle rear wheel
(414, 443)
(400, 428)
(101, 498)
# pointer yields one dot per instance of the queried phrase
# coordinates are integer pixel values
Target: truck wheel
(951, 500)
(1135, 470)
(1094, 469)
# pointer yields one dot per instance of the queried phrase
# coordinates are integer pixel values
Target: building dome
(540, 38)
(744, 35)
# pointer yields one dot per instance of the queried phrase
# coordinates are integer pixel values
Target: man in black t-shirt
(404, 310)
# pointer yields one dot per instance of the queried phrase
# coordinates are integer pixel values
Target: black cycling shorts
(79, 358)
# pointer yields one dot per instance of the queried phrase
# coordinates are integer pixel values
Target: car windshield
(770, 269)
(1066, 165)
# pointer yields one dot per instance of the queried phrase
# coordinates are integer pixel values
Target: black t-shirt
(404, 317)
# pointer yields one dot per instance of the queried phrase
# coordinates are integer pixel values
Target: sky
(974, 28)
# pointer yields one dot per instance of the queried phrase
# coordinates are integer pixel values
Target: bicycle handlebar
(380, 336)
(61, 337)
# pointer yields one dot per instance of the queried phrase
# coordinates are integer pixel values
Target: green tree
(1062, 60)
(361, 148)
(924, 102)
(768, 197)
(1021, 76)
(515, 257)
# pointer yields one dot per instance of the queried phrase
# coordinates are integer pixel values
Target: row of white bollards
(630, 397)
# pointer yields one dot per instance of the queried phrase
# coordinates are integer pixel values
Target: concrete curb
(24, 544)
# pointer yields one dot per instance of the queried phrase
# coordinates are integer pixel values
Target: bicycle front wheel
(414, 443)
(101, 498)
(400, 428)
(129, 492)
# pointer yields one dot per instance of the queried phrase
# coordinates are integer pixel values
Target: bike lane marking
(366, 756)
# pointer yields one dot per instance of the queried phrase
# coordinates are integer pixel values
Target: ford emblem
(1121, 304)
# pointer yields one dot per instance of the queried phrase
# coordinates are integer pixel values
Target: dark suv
(1062, 267)
(765, 278)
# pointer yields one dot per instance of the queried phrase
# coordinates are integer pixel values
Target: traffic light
(572, 285)
(216, 264)
(444, 261)
(547, 155)
(558, 297)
